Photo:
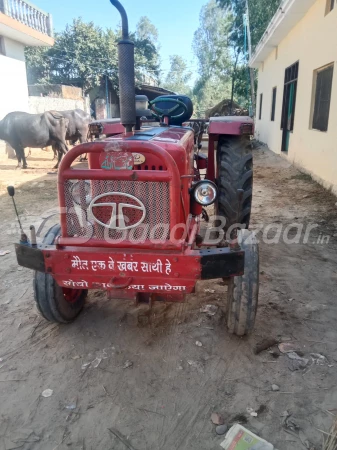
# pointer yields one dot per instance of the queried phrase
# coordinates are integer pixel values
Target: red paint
(201, 162)
(229, 125)
(174, 157)
(71, 295)
(107, 127)
(101, 269)
(121, 268)
(210, 174)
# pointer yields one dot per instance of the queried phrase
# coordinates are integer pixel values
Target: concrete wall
(313, 43)
(55, 90)
(41, 104)
(13, 82)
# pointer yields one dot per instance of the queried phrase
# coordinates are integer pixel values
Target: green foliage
(210, 43)
(260, 14)
(209, 92)
(216, 58)
(146, 48)
(178, 76)
(219, 44)
(146, 30)
(84, 53)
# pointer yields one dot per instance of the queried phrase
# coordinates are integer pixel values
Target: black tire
(243, 291)
(55, 303)
(234, 171)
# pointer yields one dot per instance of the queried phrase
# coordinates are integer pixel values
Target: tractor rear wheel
(234, 172)
(56, 304)
(243, 291)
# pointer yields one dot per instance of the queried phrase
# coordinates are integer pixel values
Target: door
(289, 103)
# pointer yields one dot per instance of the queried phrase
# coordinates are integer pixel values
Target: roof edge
(289, 13)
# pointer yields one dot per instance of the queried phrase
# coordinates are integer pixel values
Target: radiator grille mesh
(83, 222)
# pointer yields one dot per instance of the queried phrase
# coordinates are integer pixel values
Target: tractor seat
(164, 103)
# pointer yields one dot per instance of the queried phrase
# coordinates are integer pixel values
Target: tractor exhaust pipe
(126, 71)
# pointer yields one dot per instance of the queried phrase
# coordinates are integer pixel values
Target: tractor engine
(135, 192)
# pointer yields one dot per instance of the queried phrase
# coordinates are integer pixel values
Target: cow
(78, 126)
(21, 130)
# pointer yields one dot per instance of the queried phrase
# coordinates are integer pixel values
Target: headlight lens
(205, 192)
(81, 191)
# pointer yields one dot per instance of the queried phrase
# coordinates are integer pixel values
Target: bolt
(176, 274)
(47, 255)
(49, 269)
(68, 270)
(197, 259)
(66, 256)
(175, 259)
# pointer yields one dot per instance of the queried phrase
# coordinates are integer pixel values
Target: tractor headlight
(205, 192)
(81, 193)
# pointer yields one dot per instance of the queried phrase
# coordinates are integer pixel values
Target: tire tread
(235, 163)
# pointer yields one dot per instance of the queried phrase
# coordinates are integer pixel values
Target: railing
(28, 14)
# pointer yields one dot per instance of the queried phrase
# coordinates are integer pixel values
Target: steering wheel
(159, 113)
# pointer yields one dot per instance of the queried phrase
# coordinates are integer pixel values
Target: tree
(207, 93)
(210, 43)
(147, 30)
(260, 14)
(146, 49)
(217, 57)
(178, 76)
(84, 54)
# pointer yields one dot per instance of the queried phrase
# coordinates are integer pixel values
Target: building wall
(38, 105)
(312, 43)
(55, 90)
(13, 82)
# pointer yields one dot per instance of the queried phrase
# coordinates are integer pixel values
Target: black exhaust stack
(126, 70)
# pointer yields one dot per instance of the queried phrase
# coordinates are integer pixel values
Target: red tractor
(132, 222)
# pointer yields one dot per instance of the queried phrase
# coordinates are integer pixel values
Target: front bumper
(138, 271)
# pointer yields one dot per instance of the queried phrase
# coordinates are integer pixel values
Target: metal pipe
(126, 72)
(32, 236)
(125, 23)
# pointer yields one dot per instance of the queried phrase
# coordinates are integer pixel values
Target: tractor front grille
(85, 219)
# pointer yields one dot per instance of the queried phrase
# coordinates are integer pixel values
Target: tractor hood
(160, 134)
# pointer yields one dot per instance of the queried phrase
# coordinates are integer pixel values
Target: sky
(176, 21)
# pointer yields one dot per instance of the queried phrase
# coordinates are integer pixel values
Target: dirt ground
(148, 386)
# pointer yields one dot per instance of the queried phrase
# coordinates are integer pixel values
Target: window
(330, 4)
(260, 112)
(322, 98)
(273, 104)
(2, 46)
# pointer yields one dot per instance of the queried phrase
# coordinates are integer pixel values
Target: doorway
(289, 104)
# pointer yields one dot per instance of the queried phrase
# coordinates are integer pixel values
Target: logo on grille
(120, 211)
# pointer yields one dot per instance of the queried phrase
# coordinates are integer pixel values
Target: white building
(297, 87)
(21, 24)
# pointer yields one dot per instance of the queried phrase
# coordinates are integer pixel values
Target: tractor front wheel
(243, 291)
(55, 303)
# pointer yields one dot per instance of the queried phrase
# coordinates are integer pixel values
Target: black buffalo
(78, 126)
(22, 130)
